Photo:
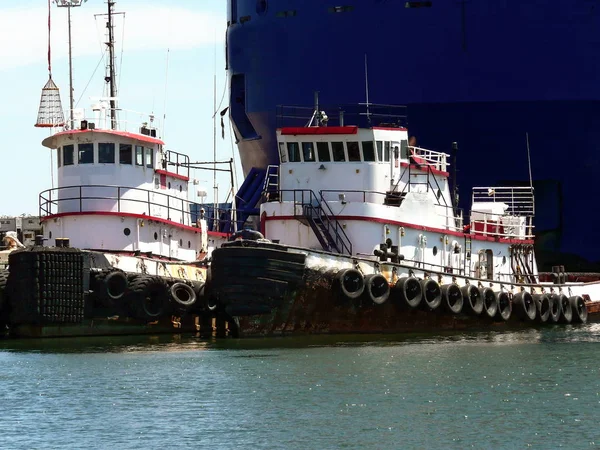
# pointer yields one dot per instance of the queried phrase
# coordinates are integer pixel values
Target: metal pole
(70, 72)
(111, 63)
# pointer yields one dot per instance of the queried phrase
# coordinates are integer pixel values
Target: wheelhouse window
(293, 151)
(379, 150)
(404, 149)
(337, 148)
(68, 153)
(86, 153)
(368, 151)
(125, 154)
(59, 156)
(106, 152)
(139, 155)
(149, 158)
(353, 151)
(323, 151)
(386, 152)
(308, 151)
(282, 153)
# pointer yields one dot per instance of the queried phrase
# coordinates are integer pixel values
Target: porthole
(50, 235)
(155, 236)
(434, 250)
(126, 231)
(261, 7)
(169, 185)
(503, 260)
(181, 242)
(180, 188)
(189, 244)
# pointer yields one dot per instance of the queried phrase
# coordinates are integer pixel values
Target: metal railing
(119, 199)
(430, 158)
(519, 199)
(127, 120)
(180, 161)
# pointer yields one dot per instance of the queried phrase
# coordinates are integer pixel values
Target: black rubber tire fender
(504, 306)
(473, 303)
(555, 308)
(524, 306)
(432, 294)
(542, 304)
(3, 279)
(580, 312)
(377, 288)
(566, 309)
(490, 301)
(452, 298)
(182, 295)
(352, 283)
(150, 296)
(408, 292)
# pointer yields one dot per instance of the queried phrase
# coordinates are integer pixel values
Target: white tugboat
(123, 249)
(363, 235)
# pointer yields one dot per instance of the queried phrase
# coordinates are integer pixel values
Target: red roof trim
(172, 174)
(425, 169)
(49, 141)
(391, 128)
(419, 227)
(293, 131)
(135, 216)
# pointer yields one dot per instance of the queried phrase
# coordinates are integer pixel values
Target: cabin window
(68, 151)
(86, 153)
(293, 151)
(282, 153)
(353, 151)
(308, 151)
(139, 155)
(337, 148)
(125, 154)
(323, 151)
(59, 156)
(106, 152)
(404, 149)
(149, 162)
(386, 152)
(368, 151)
(379, 150)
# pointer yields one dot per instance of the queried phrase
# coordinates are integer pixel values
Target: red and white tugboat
(361, 234)
(123, 250)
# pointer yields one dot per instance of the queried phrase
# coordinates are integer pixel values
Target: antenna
(165, 99)
(215, 188)
(111, 66)
(529, 159)
(367, 88)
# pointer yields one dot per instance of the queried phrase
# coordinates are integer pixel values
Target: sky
(168, 56)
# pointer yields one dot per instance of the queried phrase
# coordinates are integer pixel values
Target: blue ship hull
(480, 73)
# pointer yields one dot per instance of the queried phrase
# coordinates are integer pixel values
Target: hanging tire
(542, 304)
(490, 302)
(580, 312)
(111, 284)
(566, 309)
(182, 295)
(377, 288)
(452, 298)
(432, 294)
(408, 292)
(352, 283)
(150, 297)
(524, 306)
(504, 305)
(473, 303)
(554, 308)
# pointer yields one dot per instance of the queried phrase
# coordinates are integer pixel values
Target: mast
(111, 66)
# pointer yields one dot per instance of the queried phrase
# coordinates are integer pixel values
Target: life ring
(524, 306)
(182, 295)
(542, 303)
(452, 298)
(580, 312)
(352, 283)
(566, 309)
(473, 302)
(504, 305)
(432, 294)
(377, 288)
(554, 308)
(490, 301)
(408, 291)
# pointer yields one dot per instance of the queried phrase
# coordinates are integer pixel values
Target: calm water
(538, 389)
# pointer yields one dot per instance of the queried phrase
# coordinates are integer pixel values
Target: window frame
(123, 146)
(88, 146)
